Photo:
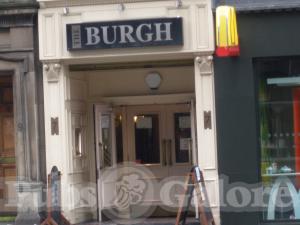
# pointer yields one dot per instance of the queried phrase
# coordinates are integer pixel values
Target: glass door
(160, 137)
(180, 139)
(146, 144)
(145, 136)
(105, 156)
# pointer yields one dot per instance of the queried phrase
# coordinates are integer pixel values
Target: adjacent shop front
(22, 158)
(257, 108)
(129, 82)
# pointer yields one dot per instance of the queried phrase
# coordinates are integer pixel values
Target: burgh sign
(125, 34)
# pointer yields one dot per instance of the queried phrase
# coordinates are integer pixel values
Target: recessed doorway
(160, 137)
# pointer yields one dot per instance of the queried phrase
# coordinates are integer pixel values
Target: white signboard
(184, 144)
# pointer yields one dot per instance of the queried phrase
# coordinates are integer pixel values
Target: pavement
(148, 221)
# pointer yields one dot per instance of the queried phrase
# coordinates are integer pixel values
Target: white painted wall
(131, 82)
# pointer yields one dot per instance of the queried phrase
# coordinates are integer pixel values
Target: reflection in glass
(182, 137)
(279, 113)
(106, 140)
(147, 149)
(119, 138)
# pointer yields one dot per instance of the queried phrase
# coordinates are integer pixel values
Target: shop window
(279, 113)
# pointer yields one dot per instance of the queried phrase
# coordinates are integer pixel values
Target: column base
(28, 219)
(30, 203)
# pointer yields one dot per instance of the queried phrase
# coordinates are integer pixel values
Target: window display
(279, 113)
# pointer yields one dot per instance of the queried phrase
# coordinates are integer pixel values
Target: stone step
(148, 221)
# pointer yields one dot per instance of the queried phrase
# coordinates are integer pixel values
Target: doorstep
(149, 221)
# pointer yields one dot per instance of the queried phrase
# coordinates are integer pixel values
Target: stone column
(206, 129)
(29, 154)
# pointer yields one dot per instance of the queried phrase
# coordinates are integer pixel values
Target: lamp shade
(227, 39)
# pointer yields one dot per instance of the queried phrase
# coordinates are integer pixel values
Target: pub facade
(127, 83)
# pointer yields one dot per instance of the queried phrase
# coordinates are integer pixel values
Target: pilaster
(55, 96)
(206, 129)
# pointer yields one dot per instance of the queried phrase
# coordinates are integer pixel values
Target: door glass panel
(119, 138)
(147, 149)
(183, 139)
(106, 140)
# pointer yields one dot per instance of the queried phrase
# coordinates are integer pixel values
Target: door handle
(164, 152)
(191, 151)
(170, 160)
(101, 155)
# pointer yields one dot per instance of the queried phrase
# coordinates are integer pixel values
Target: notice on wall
(184, 122)
(105, 121)
(184, 144)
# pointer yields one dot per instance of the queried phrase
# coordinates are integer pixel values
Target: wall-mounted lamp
(121, 7)
(66, 10)
(178, 4)
(153, 80)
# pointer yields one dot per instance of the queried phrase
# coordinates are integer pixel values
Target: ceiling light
(153, 80)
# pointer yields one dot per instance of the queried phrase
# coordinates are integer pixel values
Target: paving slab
(149, 221)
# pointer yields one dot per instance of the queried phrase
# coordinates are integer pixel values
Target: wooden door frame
(177, 108)
(17, 67)
(143, 109)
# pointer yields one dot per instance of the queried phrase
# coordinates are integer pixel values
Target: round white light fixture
(153, 80)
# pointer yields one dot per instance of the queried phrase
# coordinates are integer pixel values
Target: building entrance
(160, 138)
